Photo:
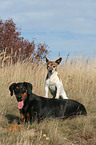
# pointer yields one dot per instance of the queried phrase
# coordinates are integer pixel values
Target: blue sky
(66, 26)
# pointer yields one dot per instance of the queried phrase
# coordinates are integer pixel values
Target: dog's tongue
(20, 105)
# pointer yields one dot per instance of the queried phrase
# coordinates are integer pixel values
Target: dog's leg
(58, 92)
(22, 117)
(46, 90)
(64, 96)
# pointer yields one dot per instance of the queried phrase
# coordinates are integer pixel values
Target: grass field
(79, 80)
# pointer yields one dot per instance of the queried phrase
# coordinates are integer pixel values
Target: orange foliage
(16, 47)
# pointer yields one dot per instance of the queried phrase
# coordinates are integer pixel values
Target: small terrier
(53, 81)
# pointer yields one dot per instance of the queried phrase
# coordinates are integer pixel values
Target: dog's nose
(19, 96)
(50, 71)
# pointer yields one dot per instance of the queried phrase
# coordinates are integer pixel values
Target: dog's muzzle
(50, 71)
(19, 98)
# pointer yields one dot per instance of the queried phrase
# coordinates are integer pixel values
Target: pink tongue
(20, 105)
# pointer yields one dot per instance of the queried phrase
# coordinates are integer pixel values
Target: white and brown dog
(53, 81)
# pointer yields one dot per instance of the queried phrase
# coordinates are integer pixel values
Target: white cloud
(73, 15)
(61, 24)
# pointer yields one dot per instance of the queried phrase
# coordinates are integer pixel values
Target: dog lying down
(33, 107)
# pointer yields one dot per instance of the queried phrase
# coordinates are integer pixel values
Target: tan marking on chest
(24, 95)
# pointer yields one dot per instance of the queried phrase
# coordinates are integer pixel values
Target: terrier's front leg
(46, 90)
(57, 93)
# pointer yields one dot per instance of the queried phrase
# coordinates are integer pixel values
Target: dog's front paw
(46, 96)
(56, 97)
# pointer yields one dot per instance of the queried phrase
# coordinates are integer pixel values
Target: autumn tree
(17, 47)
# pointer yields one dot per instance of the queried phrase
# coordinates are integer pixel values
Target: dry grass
(79, 79)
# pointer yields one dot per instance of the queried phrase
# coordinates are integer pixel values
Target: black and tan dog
(34, 107)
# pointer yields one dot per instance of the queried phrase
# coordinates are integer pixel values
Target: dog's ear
(28, 87)
(11, 88)
(58, 60)
(47, 60)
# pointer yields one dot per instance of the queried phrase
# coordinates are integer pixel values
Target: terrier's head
(52, 65)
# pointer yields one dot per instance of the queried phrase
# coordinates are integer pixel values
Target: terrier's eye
(53, 66)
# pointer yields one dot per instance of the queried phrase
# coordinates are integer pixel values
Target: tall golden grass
(79, 80)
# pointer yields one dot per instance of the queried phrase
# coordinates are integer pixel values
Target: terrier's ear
(28, 87)
(11, 88)
(47, 60)
(58, 60)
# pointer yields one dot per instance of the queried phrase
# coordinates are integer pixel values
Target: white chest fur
(54, 84)
(52, 79)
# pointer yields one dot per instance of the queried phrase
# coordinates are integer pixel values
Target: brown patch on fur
(51, 63)
(24, 95)
(22, 117)
(28, 116)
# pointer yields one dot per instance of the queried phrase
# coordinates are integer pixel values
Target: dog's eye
(53, 66)
(22, 88)
(16, 89)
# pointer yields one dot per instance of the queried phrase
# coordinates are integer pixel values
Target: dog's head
(52, 65)
(21, 91)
